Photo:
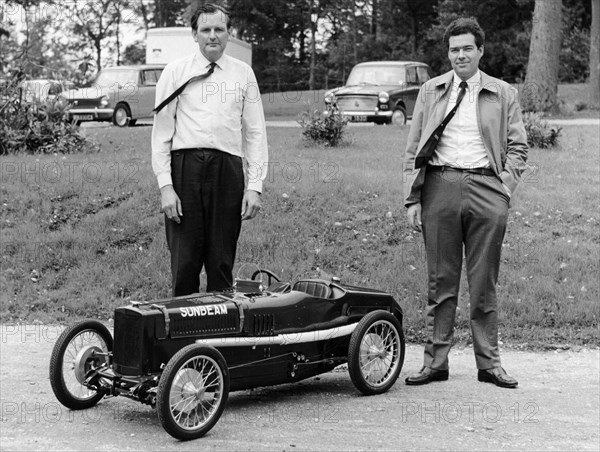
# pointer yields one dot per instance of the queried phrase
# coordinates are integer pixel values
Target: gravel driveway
(555, 407)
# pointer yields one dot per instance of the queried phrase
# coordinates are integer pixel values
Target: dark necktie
(432, 142)
(179, 90)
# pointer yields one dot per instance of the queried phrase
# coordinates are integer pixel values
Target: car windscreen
(110, 78)
(377, 75)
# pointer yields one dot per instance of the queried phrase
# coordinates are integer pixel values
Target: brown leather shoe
(427, 375)
(498, 376)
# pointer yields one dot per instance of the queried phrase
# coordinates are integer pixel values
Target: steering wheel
(270, 275)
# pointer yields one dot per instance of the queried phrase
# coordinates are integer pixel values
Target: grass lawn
(82, 234)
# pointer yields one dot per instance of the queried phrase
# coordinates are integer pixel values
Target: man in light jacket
(466, 152)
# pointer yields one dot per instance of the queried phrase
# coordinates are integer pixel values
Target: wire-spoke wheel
(192, 391)
(376, 353)
(80, 349)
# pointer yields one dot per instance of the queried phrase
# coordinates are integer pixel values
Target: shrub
(539, 133)
(37, 127)
(325, 129)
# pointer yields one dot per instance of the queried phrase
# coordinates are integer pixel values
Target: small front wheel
(192, 391)
(80, 349)
(376, 353)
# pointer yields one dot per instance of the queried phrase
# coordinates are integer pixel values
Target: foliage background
(68, 40)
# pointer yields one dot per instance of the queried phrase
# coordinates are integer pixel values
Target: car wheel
(121, 115)
(80, 349)
(399, 117)
(376, 353)
(192, 391)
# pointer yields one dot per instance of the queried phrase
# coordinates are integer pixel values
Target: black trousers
(210, 184)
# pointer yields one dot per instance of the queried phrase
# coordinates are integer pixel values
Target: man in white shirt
(466, 151)
(200, 134)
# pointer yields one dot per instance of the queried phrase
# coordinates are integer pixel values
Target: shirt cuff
(256, 186)
(164, 179)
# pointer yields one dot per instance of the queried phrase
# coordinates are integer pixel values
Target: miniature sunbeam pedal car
(184, 355)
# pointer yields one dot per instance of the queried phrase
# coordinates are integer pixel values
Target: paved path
(559, 122)
(294, 123)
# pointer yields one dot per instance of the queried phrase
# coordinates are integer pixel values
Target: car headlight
(104, 101)
(384, 97)
(329, 98)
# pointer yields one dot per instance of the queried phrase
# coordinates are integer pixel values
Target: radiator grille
(264, 325)
(205, 325)
(83, 103)
(357, 103)
(128, 344)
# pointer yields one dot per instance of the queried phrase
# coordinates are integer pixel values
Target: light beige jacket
(500, 125)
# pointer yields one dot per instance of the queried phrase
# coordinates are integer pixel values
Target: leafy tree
(93, 21)
(135, 53)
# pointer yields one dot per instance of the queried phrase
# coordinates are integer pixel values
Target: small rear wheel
(192, 391)
(376, 353)
(79, 350)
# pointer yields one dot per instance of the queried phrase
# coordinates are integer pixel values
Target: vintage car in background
(121, 94)
(383, 92)
(184, 355)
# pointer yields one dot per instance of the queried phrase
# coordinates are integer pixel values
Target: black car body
(193, 350)
(383, 92)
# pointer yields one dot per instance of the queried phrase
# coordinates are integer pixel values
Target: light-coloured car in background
(121, 94)
(41, 90)
(383, 92)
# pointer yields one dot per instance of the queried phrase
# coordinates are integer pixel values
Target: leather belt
(195, 149)
(443, 168)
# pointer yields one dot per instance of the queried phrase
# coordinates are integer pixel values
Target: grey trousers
(462, 209)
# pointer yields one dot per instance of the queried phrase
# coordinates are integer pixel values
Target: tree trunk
(594, 81)
(354, 33)
(313, 55)
(374, 18)
(98, 45)
(541, 81)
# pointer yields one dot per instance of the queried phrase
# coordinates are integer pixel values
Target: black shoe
(427, 375)
(498, 376)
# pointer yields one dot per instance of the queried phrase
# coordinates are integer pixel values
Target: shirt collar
(474, 80)
(204, 63)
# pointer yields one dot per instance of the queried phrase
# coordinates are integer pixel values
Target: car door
(412, 89)
(147, 92)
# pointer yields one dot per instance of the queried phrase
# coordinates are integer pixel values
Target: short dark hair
(209, 8)
(464, 25)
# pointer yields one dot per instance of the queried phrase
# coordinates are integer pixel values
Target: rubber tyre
(378, 332)
(194, 364)
(398, 117)
(85, 331)
(121, 115)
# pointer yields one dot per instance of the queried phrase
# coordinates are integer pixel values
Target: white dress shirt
(223, 112)
(461, 145)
